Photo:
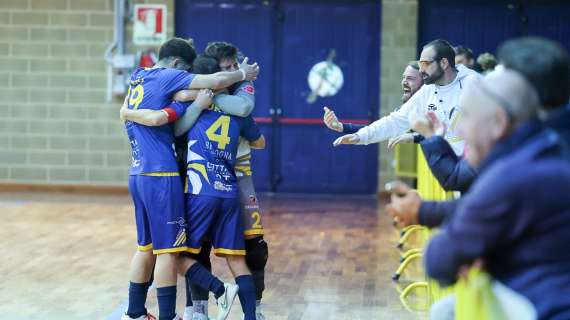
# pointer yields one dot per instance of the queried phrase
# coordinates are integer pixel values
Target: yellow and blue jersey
(152, 147)
(212, 151)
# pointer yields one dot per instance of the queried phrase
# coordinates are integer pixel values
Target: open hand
(331, 121)
(403, 138)
(346, 139)
(428, 125)
(204, 98)
(251, 70)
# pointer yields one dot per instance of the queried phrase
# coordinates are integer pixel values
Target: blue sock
(188, 294)
(166, 297)
(200, 276)
(137, 299)
(246, 295)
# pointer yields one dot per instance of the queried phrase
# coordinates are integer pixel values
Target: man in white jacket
(444, 82)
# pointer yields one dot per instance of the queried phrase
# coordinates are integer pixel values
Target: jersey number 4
(222, 125)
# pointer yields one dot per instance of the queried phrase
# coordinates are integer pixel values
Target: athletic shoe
(259, 314)
(226, 301)
(188, 311)
(199, 316)
(147, 316)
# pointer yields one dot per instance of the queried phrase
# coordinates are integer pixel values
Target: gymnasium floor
(67, 256)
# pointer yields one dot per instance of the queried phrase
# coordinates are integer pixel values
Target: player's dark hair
(205, 65)
(220, 50)
(443, 49)
(177, 48)
(544, 63)
(462, 51)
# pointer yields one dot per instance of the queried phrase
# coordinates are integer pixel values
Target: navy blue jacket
(516, 218)
(452, 172)
(433, 214)
(559, 121)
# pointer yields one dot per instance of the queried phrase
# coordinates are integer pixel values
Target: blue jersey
(152, 147)
(212, 150)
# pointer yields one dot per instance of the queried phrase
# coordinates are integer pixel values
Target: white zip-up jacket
(443, 100)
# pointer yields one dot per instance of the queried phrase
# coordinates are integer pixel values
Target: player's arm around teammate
(230, 104)
(163, 116)
(224, 79)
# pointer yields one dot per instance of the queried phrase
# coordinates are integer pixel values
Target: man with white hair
(514, 218)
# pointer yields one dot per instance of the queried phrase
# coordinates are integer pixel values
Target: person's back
(212, 201)
(152, 88)
(156, 193)
(212, 152)
(534, 259)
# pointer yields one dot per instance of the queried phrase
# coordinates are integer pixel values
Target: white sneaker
(200, 310)
(226, 301)
(258, 316)
(259, 313)
(188, 311)
(199, 316)
(147, 316)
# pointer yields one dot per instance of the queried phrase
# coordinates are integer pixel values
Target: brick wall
(55, 126)
(399, 45)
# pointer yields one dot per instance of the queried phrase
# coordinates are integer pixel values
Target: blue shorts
(159, 213)
(217, 218)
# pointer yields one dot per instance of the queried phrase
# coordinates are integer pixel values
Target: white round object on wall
(325, 79)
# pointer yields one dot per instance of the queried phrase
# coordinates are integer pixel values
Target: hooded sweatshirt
(443, 100)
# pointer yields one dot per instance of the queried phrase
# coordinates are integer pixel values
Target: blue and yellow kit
(154, 184)
(212, 201)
